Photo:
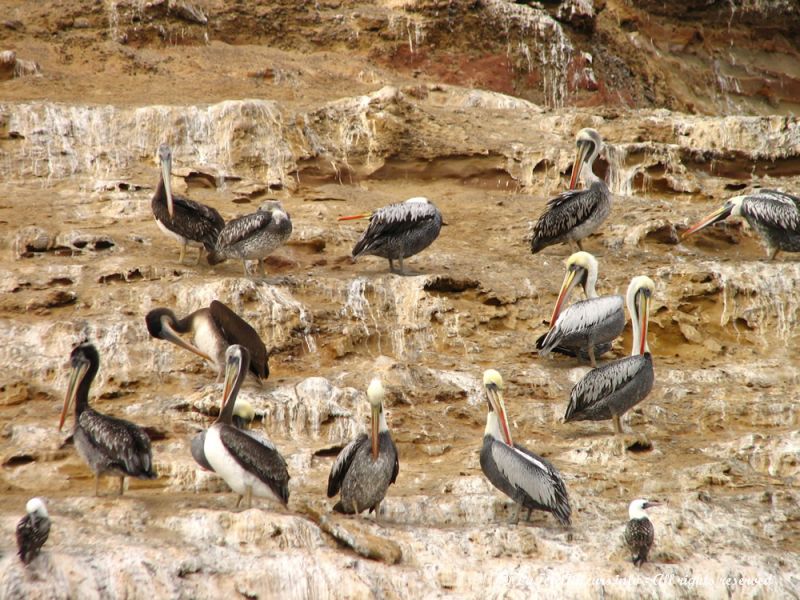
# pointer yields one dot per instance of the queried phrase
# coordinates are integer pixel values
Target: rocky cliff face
(339, 107)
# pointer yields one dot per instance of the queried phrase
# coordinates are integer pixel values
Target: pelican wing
(343, 462)
(565, 212)
(205, 223)
(125, 444)
(242, 228)
(600, 383)
(395, 220)
(238, 331)
(584, 315)
(774, 209)
(535, 476)
(258, 458)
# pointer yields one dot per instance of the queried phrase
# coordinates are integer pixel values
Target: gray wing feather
(342, 464)
(242, 228)
(258, 458)
(394, 220)
(598, 384)
(532, 474)
(583, 315)
(774, 209)
(124, 443)
(565, 212)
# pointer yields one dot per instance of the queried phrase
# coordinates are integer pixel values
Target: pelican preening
(576, 214)
(587, 326)
(250, 466)
(367, 466)
(32, 530)
(639, 531)
(213, 330)
(529, 480)
(774, 215)
(186, 221)
(254, 236)
(611, 390)
(107, 444)
(399, 230)
(243, 415)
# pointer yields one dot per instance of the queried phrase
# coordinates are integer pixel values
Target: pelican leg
(183, 253)
(199, 255)
(772, 253)
(377, 508)
(528, 518)
(96, 484)
(580, 246)
(121, 485)
(391, 265)
(248, 497)
(515, 517)
(239, 500)
(402, 270)
(590, 350)
(244, 266)
(617, 424)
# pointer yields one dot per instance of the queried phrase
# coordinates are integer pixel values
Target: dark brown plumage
(32, 530)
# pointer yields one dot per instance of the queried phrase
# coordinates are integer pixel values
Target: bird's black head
(84, 352)
(153, 321)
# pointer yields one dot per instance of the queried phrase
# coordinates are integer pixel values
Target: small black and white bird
(576, 214)
(368, 465)
(398, 231)
(213, 330)
(32, 530)
(186, 221)
(531, 481)
(254, 236)
(609, 391)
(774, 215)
(110, 446)
(639, 533)
(249, 465)
(587, 327)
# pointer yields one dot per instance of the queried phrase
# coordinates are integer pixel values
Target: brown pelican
(243, 415)
(254, 236)
(609, 391)
(248, 465)
(589, 326)
(186, 221)
(575, 214)
(213, 329)
(528, 479)
(639, 532)
(398, 231)
(367, 466)
(32, 530)
(108, 445)
(774, 215)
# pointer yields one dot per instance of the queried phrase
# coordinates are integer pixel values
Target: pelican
(774, 215)
(243, 415)
(107, 444)
(254, 236)
(589, 326)
(639, 532)
(576, 214)
(398, 231)
(528, 479)
(186, 221)
(611, 390)
(248, 465)
(32, 530)
(367, 466)
(213, 330)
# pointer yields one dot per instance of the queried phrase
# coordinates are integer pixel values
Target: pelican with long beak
(186, 221)
(639, 533)
(587, 327)
(213, 330)
(368, 465)
(528, 479)
(576, 214)
(610, 391)
(108, 445)
(774, 215)
(399, 230)
(249, 465)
